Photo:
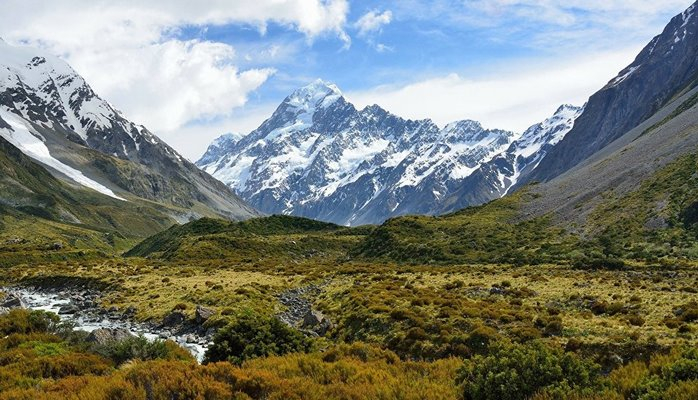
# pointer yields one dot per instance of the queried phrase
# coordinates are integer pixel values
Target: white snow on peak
(225, 139)
(688, 14)
(318, 94)
(299, 158)
(29, 68)
(528, 151)
(31, 144)
(556, 127)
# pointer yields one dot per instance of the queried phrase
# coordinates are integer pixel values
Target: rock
(68, 309)
(498, 290)
(130, 311)
(56, 246)
(316, 321)
(173, 319)
(104, 336)
(12, 301)
(203, 314)
(190, 339)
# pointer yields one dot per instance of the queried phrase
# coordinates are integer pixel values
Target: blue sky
(191, 72)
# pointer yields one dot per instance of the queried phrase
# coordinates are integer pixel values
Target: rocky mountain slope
(664, 69)
(52, 115)
(318, 156)
(497, 177)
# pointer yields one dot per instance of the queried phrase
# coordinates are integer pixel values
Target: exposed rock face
(105, 336)
(174, 319)
(667, 66)
(203, 314)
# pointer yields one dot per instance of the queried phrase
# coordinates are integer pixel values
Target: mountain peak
(320, 85)
(225, 138)
(316, 94)
(463, 126)
(567, 107)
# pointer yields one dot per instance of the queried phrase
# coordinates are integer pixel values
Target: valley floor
(396, 332)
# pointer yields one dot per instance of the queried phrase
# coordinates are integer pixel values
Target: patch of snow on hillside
(20, 136)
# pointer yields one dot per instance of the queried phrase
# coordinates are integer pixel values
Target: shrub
(140, 348)
(252, 336)
(25, 321)
(520, 371)
(636, 320)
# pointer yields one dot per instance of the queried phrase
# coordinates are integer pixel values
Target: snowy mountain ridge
(50, 113)
(318, 156)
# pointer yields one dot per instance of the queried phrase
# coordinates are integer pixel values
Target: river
(49, 301)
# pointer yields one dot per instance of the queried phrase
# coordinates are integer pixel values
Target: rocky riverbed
(299, 311)
(81, 308)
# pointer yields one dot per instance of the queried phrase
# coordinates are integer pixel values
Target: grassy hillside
(39, 212)
(270, 238)
(657, 220)
(492, 233)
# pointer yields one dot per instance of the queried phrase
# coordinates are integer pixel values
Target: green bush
(252, 336)
(520, 371)
(665, 375)
(25, 322)
(140, 348)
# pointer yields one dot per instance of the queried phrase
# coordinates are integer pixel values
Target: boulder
(11, 301)
(130, 311)
(68, 309)
(311, 319)
(317, 322)
(104, 336)
(173, 319)
(203, 314)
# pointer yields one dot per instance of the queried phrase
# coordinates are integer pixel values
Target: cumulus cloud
(372, 22)
(129, 51)
(513, 98)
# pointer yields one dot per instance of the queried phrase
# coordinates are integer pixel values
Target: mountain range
(52, 116)
(320, 157)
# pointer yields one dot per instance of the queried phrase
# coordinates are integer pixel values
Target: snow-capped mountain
(498, 176)
(51, 114)
(318, 156)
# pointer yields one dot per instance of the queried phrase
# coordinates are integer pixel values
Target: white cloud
(240, 122)
(550, 24)
(166, 85)
(512, 98)
(372, 22)
(126, 50)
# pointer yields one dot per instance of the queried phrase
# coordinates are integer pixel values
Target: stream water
(49, 301)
